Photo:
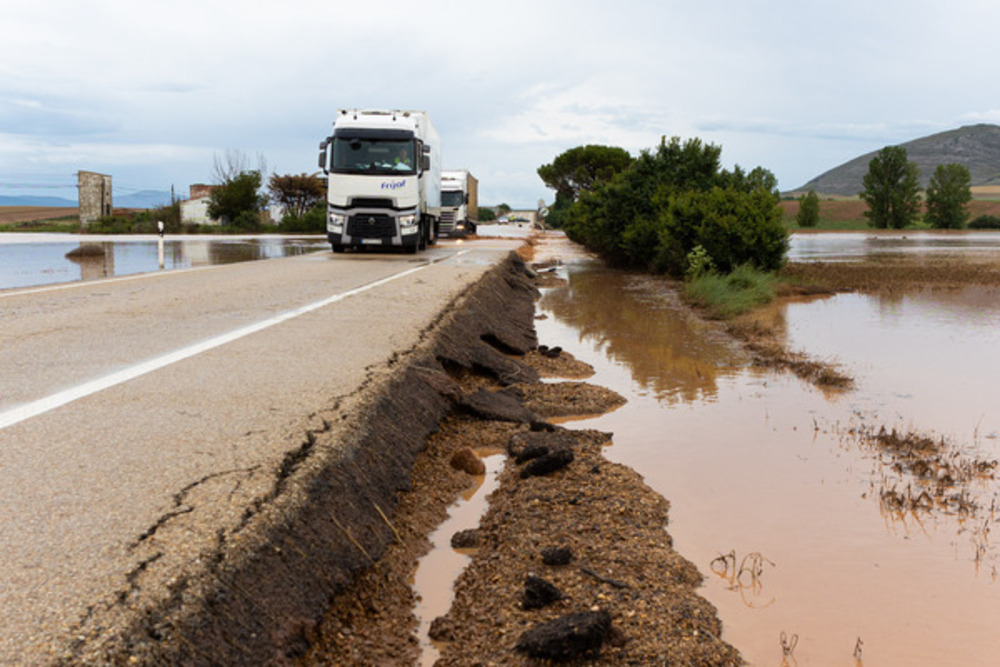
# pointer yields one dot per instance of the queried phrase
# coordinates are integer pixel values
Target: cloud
(988, 116)
(51, 117)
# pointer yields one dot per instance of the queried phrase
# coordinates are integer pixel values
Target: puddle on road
(44, 262)
(765, 467)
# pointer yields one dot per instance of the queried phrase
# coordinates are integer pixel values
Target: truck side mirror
(425, 161)
(466, 197)
(323, 152)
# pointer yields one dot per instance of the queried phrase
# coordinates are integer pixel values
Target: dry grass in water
(941, 476)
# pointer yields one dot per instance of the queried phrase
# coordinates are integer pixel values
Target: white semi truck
(383, 180)
(459, 203)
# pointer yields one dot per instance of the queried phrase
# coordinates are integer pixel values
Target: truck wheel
(337, 247)
(470, 228)
(422, 242)
(435, 233)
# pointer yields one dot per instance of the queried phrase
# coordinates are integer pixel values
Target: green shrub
(808, 213)
(312, 221)
(985, 222)
(725, 296)
(699, 263)
(653, 214)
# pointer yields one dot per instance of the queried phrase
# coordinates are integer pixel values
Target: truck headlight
(336, 223)
(408, 224)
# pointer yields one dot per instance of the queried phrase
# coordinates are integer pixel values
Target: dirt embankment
(571, 560)
(318, 571)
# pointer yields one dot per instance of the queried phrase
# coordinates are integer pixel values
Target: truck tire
(337, 247)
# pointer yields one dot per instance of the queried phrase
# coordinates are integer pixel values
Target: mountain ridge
(975, 146)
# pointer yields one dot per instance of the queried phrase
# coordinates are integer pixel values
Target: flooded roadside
(769, 472)
(40, 259)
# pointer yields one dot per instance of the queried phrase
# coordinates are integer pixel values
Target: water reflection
(26, 262)
(638, 321)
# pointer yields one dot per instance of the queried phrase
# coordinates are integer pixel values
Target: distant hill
(28, 200)
(975, 146)
(140, 199)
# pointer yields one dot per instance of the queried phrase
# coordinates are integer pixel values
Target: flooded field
(40, 259)
(845, 246)
(819, 545)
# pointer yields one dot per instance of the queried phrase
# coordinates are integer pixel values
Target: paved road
(118, 395)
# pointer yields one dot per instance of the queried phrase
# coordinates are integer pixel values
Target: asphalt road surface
(117, 395)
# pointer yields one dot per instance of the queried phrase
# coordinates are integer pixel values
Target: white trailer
(459, 202)
(384, 180)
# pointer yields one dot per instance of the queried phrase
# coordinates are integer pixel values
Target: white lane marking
(59, 399)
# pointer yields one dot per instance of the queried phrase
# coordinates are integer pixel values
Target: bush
(725, 296)
(666, 203)
(808, 214)
(312, 221)
(985, 222)
(246, 221)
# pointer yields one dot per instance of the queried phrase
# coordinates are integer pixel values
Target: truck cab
(459, 203)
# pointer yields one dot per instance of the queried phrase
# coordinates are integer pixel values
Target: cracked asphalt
(140, 477)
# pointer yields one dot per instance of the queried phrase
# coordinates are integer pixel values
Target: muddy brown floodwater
(779, 494)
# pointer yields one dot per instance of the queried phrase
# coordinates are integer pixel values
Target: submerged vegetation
(724, 296)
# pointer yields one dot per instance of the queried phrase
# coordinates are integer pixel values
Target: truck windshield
(373, 156)
(452, 198)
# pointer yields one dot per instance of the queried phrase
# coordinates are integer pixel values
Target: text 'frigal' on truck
(459, 202)
(383, 180)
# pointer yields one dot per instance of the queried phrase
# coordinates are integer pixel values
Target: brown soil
(14, 214)
(612, 524)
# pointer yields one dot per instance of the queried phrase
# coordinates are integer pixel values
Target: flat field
(13, 214)
(849, 213)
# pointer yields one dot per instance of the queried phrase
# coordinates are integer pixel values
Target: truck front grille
(371, 226)
(371, 202)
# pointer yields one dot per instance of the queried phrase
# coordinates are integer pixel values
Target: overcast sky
(151, 92)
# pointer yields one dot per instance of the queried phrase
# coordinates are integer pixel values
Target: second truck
(459, 202)
(383, 171)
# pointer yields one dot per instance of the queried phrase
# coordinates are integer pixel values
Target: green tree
(948, 194)
(808, 214)
(580, 169)
(503, 209)
(891, 189)
(237, 202)
(654, 214)
(486, 214)
(298, 193)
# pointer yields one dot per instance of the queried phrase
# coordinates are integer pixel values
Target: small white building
(194, 211)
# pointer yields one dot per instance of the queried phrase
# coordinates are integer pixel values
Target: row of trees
(672, 209)
(892, 192)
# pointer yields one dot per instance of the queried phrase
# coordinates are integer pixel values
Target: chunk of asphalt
(496, 405)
